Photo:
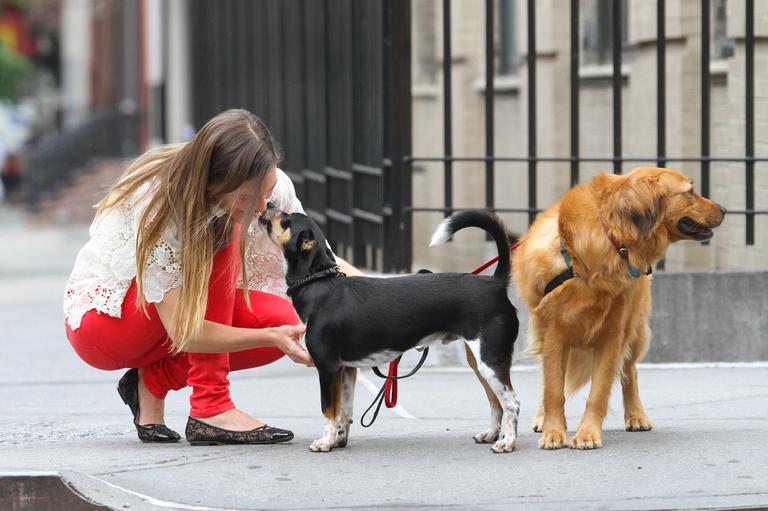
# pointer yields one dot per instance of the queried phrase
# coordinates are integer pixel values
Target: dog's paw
(537, 424)
(504, 445)
(637, 423)
(486, 437)
(587, 438)
(321, 445)
(341, 438)
(553, 439)
(340, 443)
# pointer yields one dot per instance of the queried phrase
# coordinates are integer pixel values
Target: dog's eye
(691, 192)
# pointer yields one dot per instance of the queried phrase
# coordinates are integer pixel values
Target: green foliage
(14, 68)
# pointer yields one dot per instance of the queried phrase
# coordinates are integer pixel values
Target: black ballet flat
(128, 388)
(200, 433)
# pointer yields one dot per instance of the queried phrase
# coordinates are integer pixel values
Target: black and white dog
(363, 321)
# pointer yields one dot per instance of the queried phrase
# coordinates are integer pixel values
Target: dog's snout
(266, 217)
(721, 217)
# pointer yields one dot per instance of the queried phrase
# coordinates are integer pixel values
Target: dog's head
(300, 239)
(648, 200)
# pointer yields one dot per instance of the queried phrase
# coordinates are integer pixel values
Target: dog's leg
(492, 433)
(634, 413)
(554, 359)
(497, 378)
(330, 390)
(605, 365)
(537, 424)
(344, 410)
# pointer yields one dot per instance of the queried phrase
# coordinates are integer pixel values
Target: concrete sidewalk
(708, 449)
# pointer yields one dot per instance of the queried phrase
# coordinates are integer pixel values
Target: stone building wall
(727, 250)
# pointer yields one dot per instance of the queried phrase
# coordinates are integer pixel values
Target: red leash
(390, 386)
(486, 264)
(390, 390)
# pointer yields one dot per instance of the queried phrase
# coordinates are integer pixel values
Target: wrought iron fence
(575, 158)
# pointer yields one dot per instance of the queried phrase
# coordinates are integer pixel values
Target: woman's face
(236, 201)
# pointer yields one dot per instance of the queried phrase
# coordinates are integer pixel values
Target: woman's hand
(287, 340)
(217, 338)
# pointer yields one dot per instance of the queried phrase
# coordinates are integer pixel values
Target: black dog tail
(486, 221)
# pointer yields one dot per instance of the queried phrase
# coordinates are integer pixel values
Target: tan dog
(595, 323)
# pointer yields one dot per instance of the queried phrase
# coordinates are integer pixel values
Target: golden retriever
(595, 324)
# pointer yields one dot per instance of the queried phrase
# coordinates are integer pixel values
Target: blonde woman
(155, 289)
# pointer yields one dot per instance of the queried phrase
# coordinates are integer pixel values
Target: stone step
(74, 203)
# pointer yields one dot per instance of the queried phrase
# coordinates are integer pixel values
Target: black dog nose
(723, 211)
(269, 213)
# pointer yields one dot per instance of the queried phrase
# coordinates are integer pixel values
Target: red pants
(134, 340)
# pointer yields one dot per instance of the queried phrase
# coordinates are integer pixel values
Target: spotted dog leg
(344, 410)
(491, 434)
(498, 381)
(330, 394)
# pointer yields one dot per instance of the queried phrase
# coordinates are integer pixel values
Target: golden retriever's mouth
(693, 229)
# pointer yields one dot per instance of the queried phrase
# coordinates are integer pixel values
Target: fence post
(397, 135)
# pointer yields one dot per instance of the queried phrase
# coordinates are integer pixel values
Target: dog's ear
(637, 204)
(642, 203)
(306, 241)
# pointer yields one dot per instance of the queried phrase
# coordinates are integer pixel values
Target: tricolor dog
(362, 321)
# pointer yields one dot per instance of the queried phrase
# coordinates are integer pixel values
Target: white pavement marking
(163, 503)
(399, 410)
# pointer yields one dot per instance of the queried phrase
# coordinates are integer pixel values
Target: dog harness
(569, 273)
(566, 275)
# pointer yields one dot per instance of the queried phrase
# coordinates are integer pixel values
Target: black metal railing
(661, 158)
(332, 80)
(51, 164)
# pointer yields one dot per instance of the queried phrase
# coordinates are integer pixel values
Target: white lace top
(106, 265)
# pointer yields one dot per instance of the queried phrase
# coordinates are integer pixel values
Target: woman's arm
(348, 269)
(217, 338)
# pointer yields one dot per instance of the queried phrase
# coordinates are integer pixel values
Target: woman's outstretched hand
(287, 340)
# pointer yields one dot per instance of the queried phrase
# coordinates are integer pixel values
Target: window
(722, 46)
(597, 30)
(424, 42)
(508, 54)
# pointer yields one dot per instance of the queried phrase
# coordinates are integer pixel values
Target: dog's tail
(489, 222)
(579, 370)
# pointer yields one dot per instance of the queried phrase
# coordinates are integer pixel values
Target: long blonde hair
(233, 147)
